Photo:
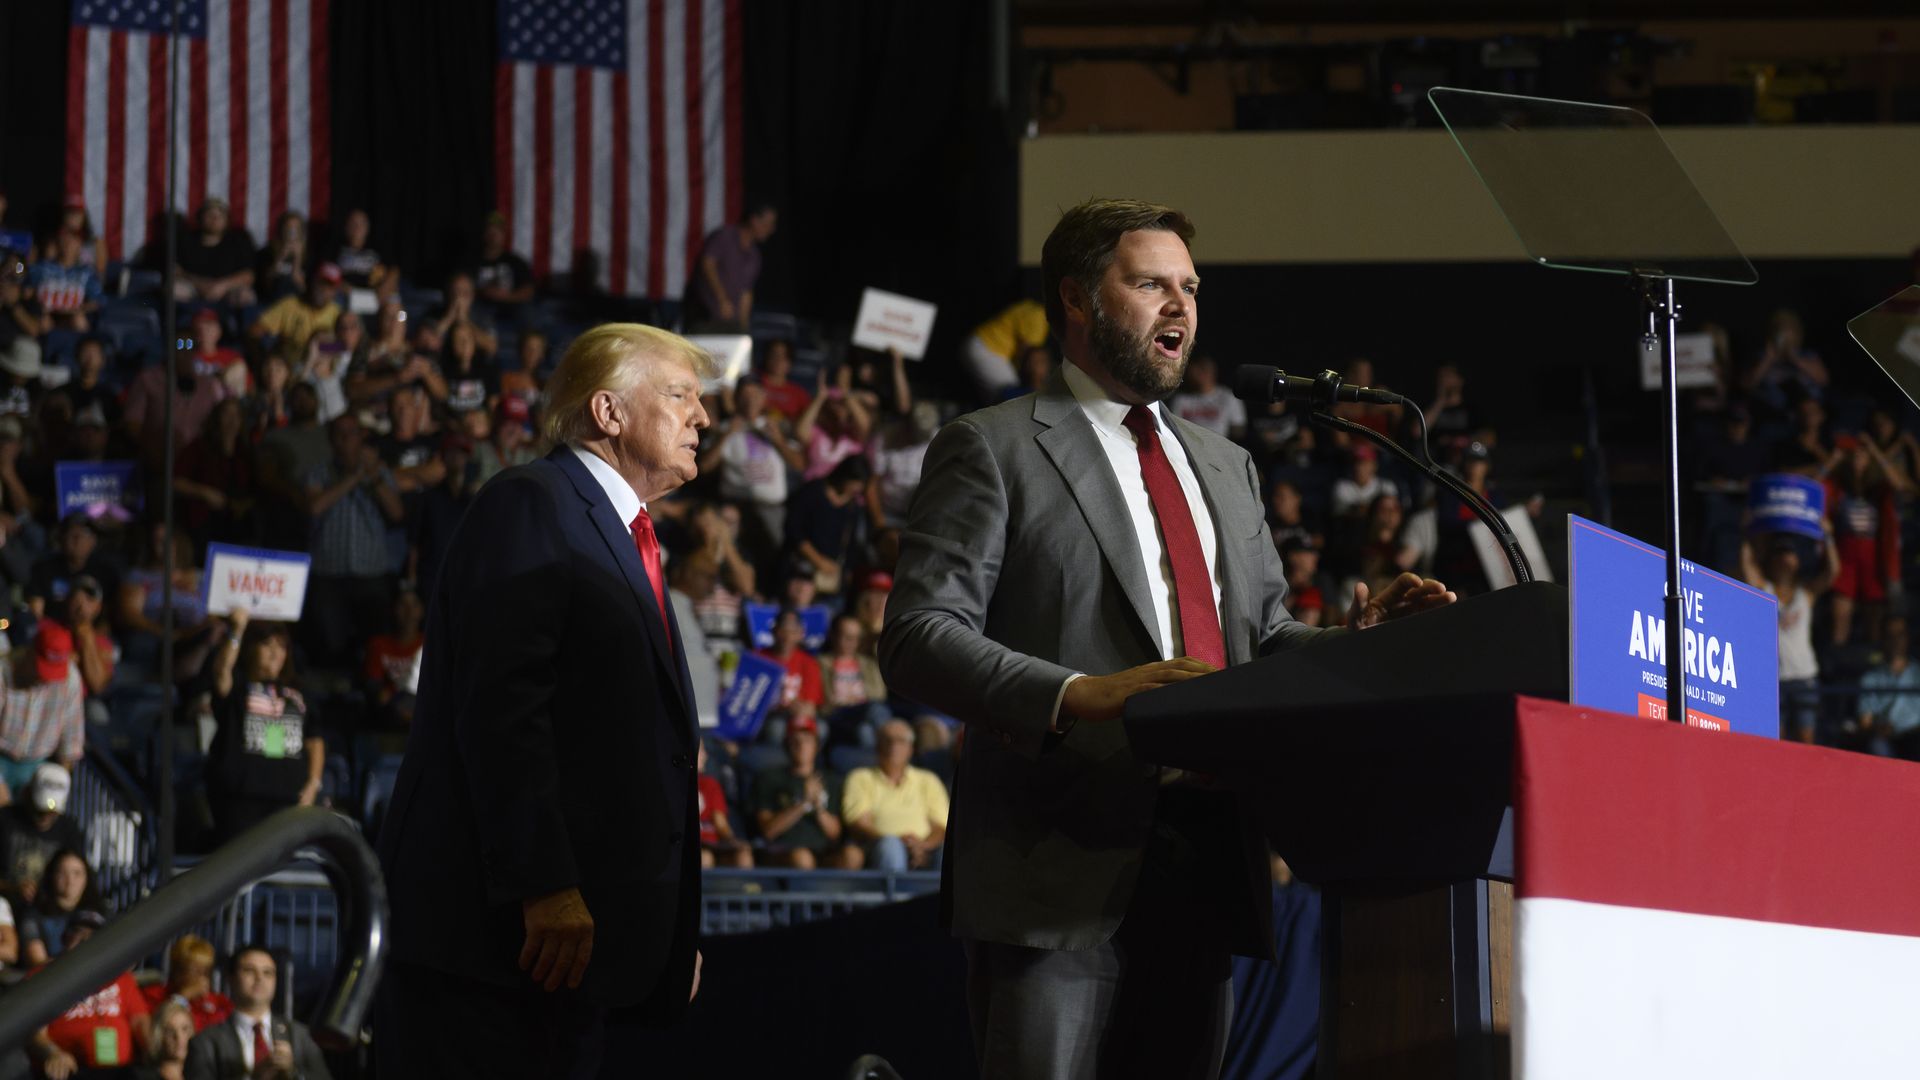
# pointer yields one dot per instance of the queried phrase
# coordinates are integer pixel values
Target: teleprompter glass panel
(1590, 187)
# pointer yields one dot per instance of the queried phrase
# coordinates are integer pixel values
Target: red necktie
(648, 545)
(261, 1051)
(1192, 584)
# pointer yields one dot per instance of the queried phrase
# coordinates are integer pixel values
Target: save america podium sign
(1619, 639)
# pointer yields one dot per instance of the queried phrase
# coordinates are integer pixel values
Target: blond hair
(608, 357)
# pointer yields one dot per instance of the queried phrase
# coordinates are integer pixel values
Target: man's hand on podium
(1096, 698)
(1408, 594)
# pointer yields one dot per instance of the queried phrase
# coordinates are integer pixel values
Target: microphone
(1263, 385)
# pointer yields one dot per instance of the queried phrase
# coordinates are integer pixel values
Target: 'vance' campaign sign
(1619, 636)
(269, 584)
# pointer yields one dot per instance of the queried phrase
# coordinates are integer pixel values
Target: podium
(1380, 765)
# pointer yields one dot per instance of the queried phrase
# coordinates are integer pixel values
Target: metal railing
(748, 901)
(120, 827)
(186, 901)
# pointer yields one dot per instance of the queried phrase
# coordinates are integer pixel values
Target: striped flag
(617, 132)
(251, 119)
(1692, 904)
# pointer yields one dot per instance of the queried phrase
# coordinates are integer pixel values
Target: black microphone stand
(1325, 389)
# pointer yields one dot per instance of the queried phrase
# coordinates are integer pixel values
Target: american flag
(251, 122)
(617, 131)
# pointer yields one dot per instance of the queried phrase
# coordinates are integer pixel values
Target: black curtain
(413, 126)
(870, 126)
(33, 114)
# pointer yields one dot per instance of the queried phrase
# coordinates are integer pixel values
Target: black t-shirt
(812, 517)
(777, 790)
(504, 271)
(52, 581)
(231, 255)
(99, 394)
(401, 453)
(357, 265)
(469, 391)
(259, 750)
(25, 849)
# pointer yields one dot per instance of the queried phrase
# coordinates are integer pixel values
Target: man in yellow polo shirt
(897, 811)
(992, 353)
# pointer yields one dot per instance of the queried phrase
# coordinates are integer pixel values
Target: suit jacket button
(673, 837)
(1007, 737)
(680, 761)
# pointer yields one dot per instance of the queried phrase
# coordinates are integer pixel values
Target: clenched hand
(559, 939)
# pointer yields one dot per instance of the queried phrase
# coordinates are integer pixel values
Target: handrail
(173, 907)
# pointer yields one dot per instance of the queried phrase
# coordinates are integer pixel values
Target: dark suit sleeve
(505, 584)
(308, 1063)
(934, 648)
(1278, 628)
(202, 1057)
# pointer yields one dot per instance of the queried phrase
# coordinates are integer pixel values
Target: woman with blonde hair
(173, 1028)
(189, 985)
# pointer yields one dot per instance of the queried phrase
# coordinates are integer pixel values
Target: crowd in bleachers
(325, 402)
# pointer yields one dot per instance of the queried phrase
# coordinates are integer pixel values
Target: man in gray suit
(1066, 551)
(254, 1044)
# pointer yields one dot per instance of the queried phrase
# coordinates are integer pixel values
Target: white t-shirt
(751, 470)
(1797, 659)
(898, 471)
(1351, 498)
(1217, 410)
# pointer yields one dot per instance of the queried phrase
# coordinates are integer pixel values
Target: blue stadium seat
(845, 759)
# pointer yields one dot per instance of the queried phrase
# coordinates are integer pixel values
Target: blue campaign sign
(97, 488)
(1618, 662)
(815, 621)
(1788, 503)
(755, 687)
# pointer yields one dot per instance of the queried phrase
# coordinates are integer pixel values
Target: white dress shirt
(626, 504)
(244, 1025)
(1123, 454)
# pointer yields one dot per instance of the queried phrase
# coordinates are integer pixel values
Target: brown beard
(1131, 358)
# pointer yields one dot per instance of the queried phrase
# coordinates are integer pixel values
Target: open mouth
(1169, 342)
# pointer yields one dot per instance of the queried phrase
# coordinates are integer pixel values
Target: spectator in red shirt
(718, 844)
(1861, 489)
(392, 659)
(190, 985)
(784, 397)
(1304, 597)
(107, 1030)
(803, 682)
(212, 360)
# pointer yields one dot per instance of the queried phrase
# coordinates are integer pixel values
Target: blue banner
(815, 621)
(1616, 586)
(1787, 503)
(109, 489)
(755, 687)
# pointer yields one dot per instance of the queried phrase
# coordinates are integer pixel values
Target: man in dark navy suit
(542, 845)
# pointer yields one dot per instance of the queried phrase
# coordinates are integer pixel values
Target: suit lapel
(619, 541)
(1220, 483)
(1070, 442)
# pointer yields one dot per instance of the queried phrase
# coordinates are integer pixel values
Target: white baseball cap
(52, 783)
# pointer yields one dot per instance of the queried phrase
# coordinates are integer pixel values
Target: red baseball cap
(803, 722)
(328, 272)
(514, 409)
(76, 201)
(52, 651)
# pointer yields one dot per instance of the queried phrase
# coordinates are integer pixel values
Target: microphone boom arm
(1491, 518)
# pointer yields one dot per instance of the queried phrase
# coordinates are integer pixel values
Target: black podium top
(1383, 755)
